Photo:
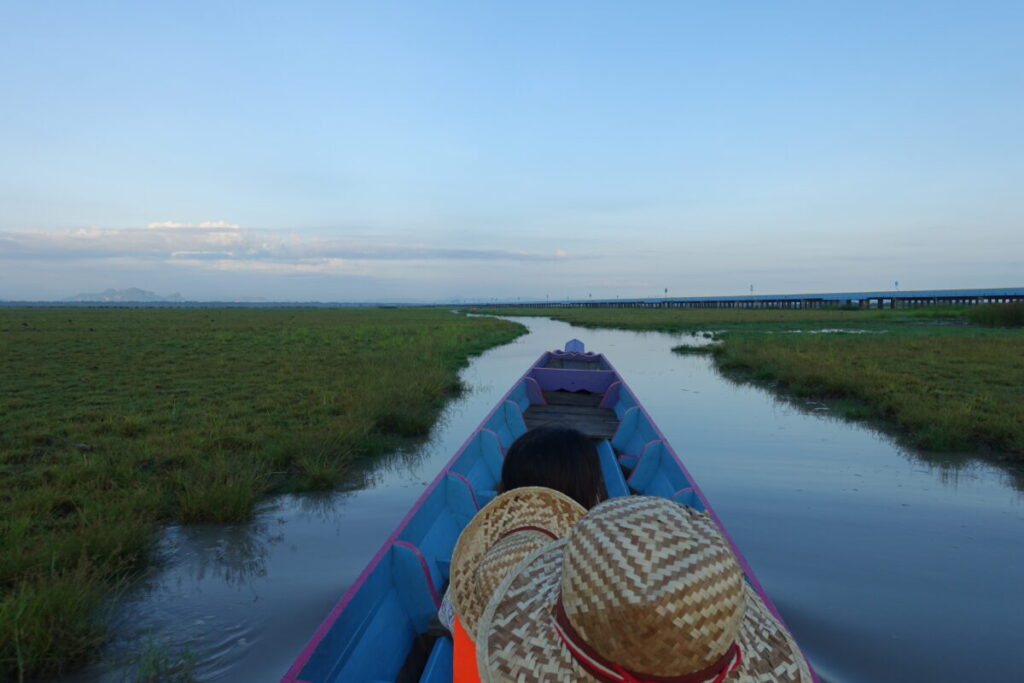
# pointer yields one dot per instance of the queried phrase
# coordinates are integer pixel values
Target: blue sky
(431, 150)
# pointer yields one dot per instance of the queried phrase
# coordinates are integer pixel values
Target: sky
(429, 151)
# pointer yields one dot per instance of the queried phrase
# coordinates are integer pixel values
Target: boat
(370, 632)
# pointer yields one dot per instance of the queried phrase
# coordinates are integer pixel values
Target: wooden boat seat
(573, 364)
(579, 399)
(597, 423)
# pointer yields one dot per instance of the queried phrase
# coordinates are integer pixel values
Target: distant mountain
(130, 294)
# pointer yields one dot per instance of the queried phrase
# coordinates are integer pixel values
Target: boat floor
(573, 398)
(573, 409)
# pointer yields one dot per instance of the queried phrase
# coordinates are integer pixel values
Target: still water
(886, 568)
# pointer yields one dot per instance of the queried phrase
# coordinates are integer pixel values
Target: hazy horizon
(405, 151)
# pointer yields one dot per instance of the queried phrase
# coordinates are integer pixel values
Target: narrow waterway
(885, 567)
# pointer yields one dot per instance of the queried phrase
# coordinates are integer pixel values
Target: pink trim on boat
(426, 570)
(494, 434)
(539, 393)
(469, 486)
(611, 395)
(644, 450)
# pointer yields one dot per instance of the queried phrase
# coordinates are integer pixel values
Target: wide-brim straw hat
(641, 589)
(501, 534)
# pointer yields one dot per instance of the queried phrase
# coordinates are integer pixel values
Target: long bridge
(889, 299)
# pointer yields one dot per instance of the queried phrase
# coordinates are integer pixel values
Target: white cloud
(321, 266)
(204, 224)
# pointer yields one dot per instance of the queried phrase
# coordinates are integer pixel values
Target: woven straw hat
(505, 531)
(641, 589)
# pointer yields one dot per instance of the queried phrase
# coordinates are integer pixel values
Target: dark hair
(560, 458)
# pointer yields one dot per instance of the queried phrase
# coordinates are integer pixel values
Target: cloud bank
(219, 245)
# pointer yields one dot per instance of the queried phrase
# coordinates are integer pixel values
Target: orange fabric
(463, 656)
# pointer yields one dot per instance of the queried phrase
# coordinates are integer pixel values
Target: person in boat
(559, 458)
(639, 589)
(549, 478)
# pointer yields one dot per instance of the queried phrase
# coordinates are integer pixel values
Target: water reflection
(236, 556)
(948, 466)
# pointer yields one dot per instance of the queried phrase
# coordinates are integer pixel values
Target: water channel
(885, 567)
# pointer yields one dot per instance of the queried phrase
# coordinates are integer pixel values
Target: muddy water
(886, 567)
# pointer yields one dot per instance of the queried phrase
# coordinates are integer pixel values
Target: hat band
(608, 671)
(528, 528)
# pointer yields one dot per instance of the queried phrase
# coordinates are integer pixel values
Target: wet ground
(886, 566)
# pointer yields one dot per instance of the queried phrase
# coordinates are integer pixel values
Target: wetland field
(117, 421)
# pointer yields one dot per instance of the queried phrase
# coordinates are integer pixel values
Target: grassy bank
(941, 383)
(734, 319)
(118, 420)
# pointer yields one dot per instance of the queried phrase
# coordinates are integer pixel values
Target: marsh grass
(998, 315)
(941, 383)
(159, 662)
(48, 620)
(116, 421)
(694, 349)
(726, 319)
(943, 392)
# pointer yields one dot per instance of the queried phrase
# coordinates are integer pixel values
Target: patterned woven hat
(505, 531)
(641, 589)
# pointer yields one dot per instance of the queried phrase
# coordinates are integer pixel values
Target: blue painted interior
(439, 665)
(689, 497)
(656, 474)
(520, 395)
(480, 463)
(624, 401)
(507, 423)
(375, 614)
(614, 482)
(634, 433)
(437, 525)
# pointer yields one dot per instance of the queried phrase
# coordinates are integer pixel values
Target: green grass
(998, 315)
(944, 392)
(702, 319)
(939, 382)
(158, 663)
(116, 421)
